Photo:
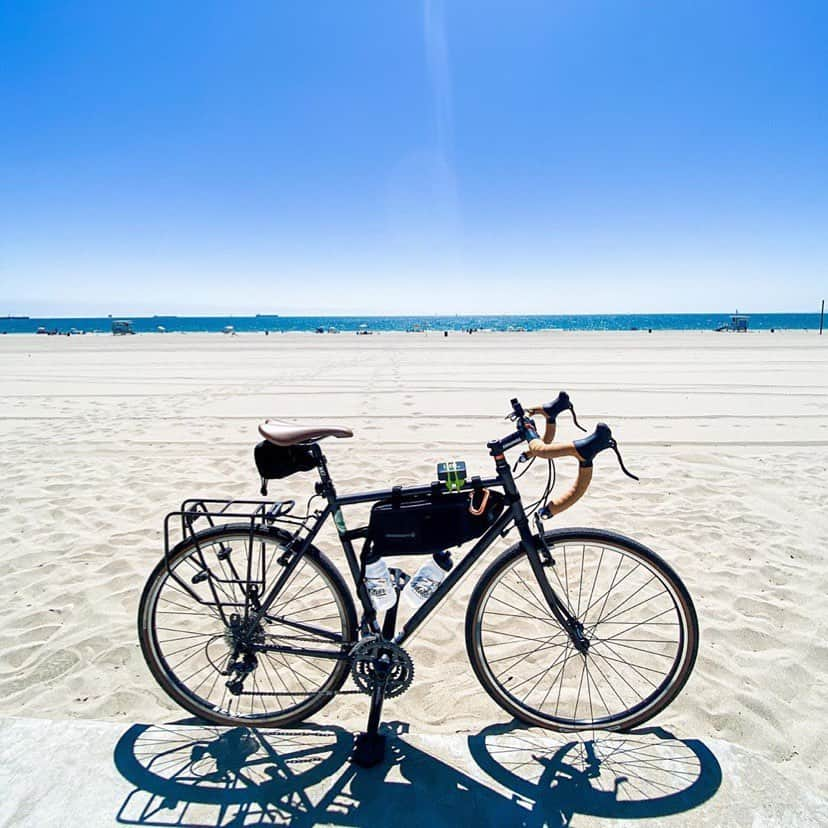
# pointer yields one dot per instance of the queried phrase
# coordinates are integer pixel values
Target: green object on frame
(453, 474)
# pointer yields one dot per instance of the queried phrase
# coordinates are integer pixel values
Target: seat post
(327, 488)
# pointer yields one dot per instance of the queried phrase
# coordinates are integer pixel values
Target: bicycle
(249, 623)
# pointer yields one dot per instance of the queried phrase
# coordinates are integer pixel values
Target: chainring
(364, 657)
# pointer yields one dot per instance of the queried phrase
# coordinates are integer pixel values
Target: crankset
(381, 664)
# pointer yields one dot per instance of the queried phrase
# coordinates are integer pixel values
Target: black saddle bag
(275, 462)
(425, 525)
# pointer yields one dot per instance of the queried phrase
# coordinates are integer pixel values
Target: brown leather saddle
(281, 433)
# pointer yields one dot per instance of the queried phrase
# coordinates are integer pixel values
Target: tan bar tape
(579, 487)
(551, 426)
(551, 451)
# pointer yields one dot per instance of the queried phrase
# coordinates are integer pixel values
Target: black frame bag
(425, 525)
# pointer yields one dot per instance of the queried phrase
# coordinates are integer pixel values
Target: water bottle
(427, 578)
(380, 585)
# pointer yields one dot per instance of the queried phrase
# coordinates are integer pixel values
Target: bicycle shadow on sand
(194, 775)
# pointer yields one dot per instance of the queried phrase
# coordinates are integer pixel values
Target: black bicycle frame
(514, 512)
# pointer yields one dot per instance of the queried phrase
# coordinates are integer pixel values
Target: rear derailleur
(241, 636)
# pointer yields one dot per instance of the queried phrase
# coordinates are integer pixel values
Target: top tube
(408, 491)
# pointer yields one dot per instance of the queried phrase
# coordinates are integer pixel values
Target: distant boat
(122, 327)
(738, 323)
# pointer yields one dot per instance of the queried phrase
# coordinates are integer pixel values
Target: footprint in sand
(47, 670)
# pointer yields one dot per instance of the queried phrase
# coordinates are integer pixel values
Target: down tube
(459, 571)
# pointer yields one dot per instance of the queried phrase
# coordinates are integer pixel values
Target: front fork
(540, 557)
(534, 545)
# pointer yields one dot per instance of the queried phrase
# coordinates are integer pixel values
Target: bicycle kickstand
(369, 746)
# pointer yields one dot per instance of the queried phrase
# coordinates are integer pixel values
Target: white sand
(101, 436)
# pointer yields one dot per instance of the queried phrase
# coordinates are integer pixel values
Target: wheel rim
(191, 643)
(633, 617)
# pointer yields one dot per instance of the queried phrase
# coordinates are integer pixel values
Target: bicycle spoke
(544, 645)
(581, 580)
(538, 603)
(509, 635)
(550, 619)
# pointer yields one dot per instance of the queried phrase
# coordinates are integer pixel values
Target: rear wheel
(637, 616)
(192, 615)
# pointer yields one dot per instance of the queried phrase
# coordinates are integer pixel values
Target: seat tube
(327, 489)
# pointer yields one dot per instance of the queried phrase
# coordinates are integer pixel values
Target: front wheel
(636, 614)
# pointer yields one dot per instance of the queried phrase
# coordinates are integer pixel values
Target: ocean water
(597, 322)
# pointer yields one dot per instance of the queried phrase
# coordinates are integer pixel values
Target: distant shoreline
(414, 324)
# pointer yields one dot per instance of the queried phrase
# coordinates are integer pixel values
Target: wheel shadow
(641, 774)
(194, 775)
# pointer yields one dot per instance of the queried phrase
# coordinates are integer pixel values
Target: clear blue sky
(395, 157)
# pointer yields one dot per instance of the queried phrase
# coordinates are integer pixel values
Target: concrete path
(85, 773)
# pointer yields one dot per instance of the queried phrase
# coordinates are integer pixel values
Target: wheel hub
(243, 634)
(579, 639)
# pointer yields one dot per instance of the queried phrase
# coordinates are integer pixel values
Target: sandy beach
(101, 436)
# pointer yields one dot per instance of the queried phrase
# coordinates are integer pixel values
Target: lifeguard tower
(738, 323)
(122, 327)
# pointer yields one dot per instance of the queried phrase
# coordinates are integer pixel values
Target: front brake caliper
(543, 547)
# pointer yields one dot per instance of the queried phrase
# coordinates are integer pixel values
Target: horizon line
(21, 316)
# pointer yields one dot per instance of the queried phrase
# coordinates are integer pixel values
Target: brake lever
(574, 418)
(614, 447)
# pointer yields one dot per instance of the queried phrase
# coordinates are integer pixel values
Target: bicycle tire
(604, 650)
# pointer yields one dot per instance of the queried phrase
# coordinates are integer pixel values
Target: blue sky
(403, 157)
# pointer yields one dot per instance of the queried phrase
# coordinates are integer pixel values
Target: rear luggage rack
(233, 584)
(265, 512)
